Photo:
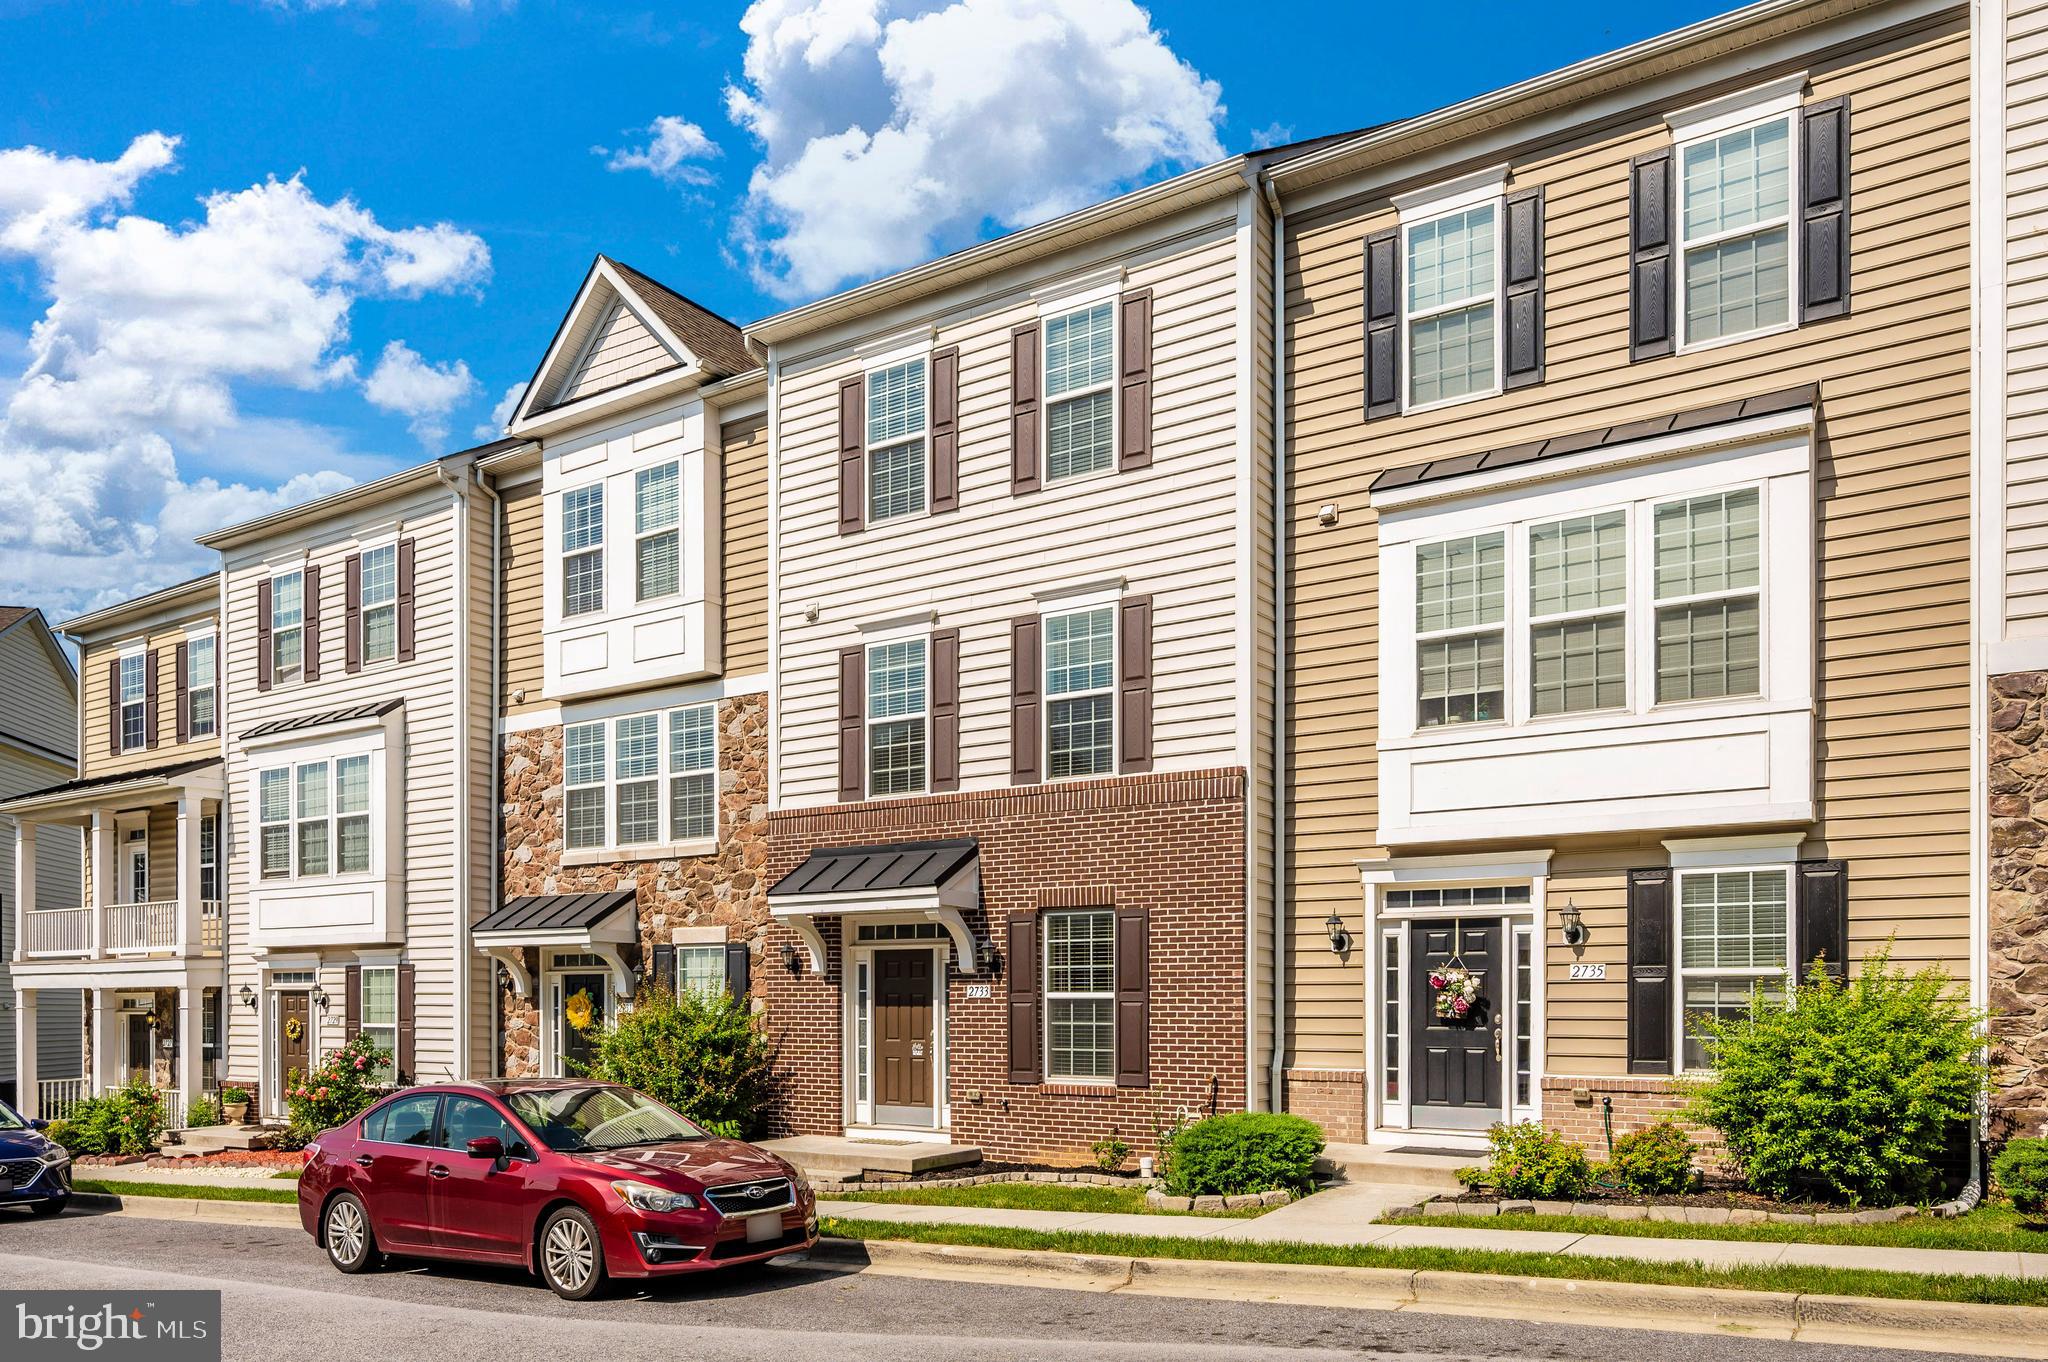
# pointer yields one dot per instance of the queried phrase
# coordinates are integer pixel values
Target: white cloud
(501, 415)
(423, 393)
(674, 147)
(150, 330)
(892, 130)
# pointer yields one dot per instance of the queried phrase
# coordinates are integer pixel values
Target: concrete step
(836, 1158)
(1360, 1163)
(212, 1139)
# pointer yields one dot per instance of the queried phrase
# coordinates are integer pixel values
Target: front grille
(745, 1198)
(21, 1171)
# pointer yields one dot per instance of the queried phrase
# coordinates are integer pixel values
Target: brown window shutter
(1522, 293)
(264, 658)
(661, 970)
(1134, 684)
(352, 1004)
(402, 1059)
(352, 613)
(1383, 324)
(945, 710)
(183, 716)
(853, 455)
(114, 707)
(1026, 687)
(1024, 407)
(1824, 230)
(405, 607)
(1133, 998)
(149, 697)
(1650, 1048)
(852, 723)
(1134, 382)
(945, 477)
(1024, 997)
(1652, 280)
(312, 633)
(1821, 918)
(739, 968)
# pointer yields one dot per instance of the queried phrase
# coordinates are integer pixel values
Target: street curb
(1995, 1330)
(270, 1213)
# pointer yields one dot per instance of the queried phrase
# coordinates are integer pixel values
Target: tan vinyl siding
(622, 350)
(96, 758)
(1893, 523)
(743, 466)
(2026, 280)
(520, 561)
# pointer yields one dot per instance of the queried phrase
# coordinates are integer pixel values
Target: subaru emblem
(756, 1193)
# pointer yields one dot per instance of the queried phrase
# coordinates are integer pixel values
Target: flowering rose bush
(124, 1121)
(341, 1085)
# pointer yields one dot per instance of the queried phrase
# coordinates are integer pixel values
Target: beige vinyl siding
(743, 509)
(2026, 281)
(521, 557)
(622, 350)
(163, 640)
(1168, 531)
(1893, 524)
(42, 699)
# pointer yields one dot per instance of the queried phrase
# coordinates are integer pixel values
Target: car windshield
(10, 1119)
(574, 1120)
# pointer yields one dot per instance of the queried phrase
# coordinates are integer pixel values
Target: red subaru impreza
(577, 1181)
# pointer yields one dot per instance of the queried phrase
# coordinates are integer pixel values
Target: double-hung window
(1080, 374)
(636, 788)
(287, 625)
(693, 772)
(1578, 615)
(1709, 606)
(209, 858)
(379, 570)
(313, 819)
(1080, 995)
(274, 822)
(700, 971)
(200, 686)
(352, 815)
(1448, 304)
(898, 702)
(1735, 231)
(1080, 692)
(1460, 645)
(613, 774)
(657, 533)
(583, 550)
(378, 1018)
(1734, 937)
(584, 775)
(896, 430)
(134, 701)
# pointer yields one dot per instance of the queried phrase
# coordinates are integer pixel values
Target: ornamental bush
(1849, 1093)
(1529, 1161)
(202, 1111)
(1247, 1151)
(1653, 1161)
(2021, 1170)
(124, 1121)
(706, 1057)
(339, 1087)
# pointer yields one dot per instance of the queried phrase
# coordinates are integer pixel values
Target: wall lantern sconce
(985, 955)
(1340, 940)
(1574, 926)
(319, 997)
(248, 997)
(789, 957)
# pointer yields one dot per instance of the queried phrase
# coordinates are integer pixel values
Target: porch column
(106, 1041)
(186, 934)
(24, 883)
(191, 1043)
(25, 1052)
(102, 880)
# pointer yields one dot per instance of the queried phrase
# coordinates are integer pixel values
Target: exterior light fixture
(1340, 940)
(248, 997)
(985, 955)
(1574, 926)
(318, 997)
(789, 957)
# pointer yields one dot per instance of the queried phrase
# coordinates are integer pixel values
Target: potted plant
(234, 1104)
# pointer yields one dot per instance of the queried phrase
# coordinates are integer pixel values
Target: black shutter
(1024, 700)
(1134, 383)
(661, 969)
(945, 471)
(1821, 918)
(739, 964)
(945, 710)
(1134, 685)
(852, 726)
(1383, 324)
(1133, 998)
(1024, 409)
(1824, 229)
(352, 1003)
(149, 698)
(853, 455)
(1649, 972)
(1023, 967)
(1652, 281)
(263, 654)
(1522, 296)
(183, 716)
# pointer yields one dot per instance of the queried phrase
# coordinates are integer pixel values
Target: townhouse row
(1587, 535)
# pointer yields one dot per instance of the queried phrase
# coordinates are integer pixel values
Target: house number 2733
(1584, 971)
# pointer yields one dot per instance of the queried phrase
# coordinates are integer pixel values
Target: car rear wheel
(571, 1258)
(52, 1206)
(351, 1246)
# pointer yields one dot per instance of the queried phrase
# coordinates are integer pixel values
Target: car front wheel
(351, 1246)
(571, 1258)
(53, 1206)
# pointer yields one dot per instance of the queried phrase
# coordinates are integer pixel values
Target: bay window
(583, 550)
(896, 429)
(1460, 670)
(1080, 995)
(352, 815)
(1080, 692)
(1080, 372)
(287, 625)
(200, 686)
(313, 820)
(1709, 606)
(657, 542)
(693, 772)
(1735, 231)
(898, 705)
(274, 822)
(380, 603)
(1733, 938)
(613, 773)
(1578, 628)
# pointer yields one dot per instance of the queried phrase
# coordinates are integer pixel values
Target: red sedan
(577, 1181)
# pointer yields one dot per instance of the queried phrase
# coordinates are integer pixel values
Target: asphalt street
(281, 1300)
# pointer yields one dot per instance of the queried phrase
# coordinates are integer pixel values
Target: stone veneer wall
(2018, 945)
(727, 889)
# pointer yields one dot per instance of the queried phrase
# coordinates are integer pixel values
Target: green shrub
(1110, 1154)
(339, 1087)
(233, 1096)
(707, 1058)
(124, 1121)
(202, 1111)
(1244, 1152)
(2021, 1169)
(1653, 1161)
(1529, 1161)
(1848, 1094)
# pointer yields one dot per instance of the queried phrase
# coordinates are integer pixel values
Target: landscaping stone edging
(1681, 1215)
(1245, 1201)
(825, 1185)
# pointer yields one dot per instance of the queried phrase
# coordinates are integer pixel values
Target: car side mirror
(38, 1123)
(487, 1147)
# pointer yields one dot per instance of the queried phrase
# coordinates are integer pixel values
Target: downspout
(774, 367)
(460, 746)
(1278, 1063)
(497, 754)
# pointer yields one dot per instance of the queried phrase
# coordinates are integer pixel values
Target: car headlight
(643, 1196)
(55, 1155)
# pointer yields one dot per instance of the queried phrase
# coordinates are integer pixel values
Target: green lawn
(196, 1192)
(290, 1174)
(1033, 1196)
(1997, 1228)
(1806, 1280)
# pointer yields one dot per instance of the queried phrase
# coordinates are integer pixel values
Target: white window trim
(370, 814)
(564, 556)
(1420, 208)
(1634, 515)
(684, 949)
(206, 821)
(1053, 310)
(1780, 100)
(298, 674)
(138, 653)
(1453, 633)
(1680, 974)
(1078, 604)
(364, 607)
(1068, 995)
(193, 638)
(921, 355)
(640, 537)
(666, 845)
(882, 638)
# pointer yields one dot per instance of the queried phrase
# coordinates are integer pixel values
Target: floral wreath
(577, 1009)
(294, 1029)
(1457, 989)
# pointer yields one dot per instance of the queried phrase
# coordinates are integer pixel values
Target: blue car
(34, 1170)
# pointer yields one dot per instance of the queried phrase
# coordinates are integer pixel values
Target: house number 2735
(1584, 971)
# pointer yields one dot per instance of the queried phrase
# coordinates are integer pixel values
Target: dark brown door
(903, 1037)
(1457, 1059)
(292, 1033)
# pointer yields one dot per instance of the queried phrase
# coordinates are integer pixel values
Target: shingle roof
(895, 865)
(296, 722)
(556, 912)
(176, 768)
(10, 613)
(712, 339)
(1457, 465)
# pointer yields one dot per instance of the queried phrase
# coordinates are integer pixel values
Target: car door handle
(437, 1171)
(364, 1161)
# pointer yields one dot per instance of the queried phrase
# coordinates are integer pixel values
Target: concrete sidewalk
(1344, 1216)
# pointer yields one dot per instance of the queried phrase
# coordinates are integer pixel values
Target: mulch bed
(226, 1158)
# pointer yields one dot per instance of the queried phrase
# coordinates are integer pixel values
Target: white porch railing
(149, 926)
(55, 1097)
(212, 925)
(57, 931)
(171, 1103)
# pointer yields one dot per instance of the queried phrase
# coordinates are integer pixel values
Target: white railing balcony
(141, 927)
(212, 926)
(55, 1097)
(57, 932)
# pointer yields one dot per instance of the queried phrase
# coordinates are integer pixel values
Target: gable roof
(31, 617)
(715, 342)
(11, 613)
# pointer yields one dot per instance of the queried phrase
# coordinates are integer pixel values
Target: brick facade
(2018, 945)
(1173, 844)
(1333, 1098)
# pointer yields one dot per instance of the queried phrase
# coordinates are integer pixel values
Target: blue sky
(166, 365)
